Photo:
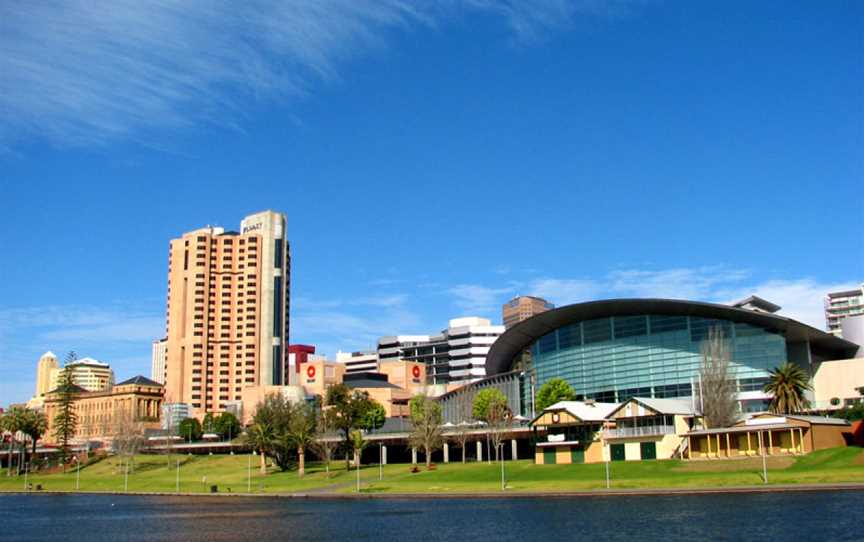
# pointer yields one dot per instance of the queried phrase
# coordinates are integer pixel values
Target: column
(689, 447)
(479, 451)
(708, 440)
(792, 436)
(383, 455)
(413, 456)
(728, 446)
(446, 452)
(801, 439)
(770, 442)
(749, 447)
(513, 450)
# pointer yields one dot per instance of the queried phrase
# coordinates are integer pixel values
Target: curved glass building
(613, 350)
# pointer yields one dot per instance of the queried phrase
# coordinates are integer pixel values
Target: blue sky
(433, 159)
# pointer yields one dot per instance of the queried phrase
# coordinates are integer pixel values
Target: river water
(810, 516)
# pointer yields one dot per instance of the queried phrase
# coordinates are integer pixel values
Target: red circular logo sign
(416, 372)
(310, 371)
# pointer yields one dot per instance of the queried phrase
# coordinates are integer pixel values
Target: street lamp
(177, 483)
(77, 472)
(249, 474)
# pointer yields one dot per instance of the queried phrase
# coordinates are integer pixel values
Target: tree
(12, 422)
(347, 410)
(554, 390)
(426, 419)
(259, 436)
(462, 429)
(302, 431)
(128, 437)
(716, 384)
(190, 429)
(787, 385)
(227, 425)
(490, 406)
(357, 444)
(274, 413)
(66, 420)
(374, 417)
(33, 424)
(208, 424)
(324, 445)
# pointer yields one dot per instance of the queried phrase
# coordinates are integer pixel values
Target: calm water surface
(771, 516)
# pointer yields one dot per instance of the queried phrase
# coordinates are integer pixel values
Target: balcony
(647, 431)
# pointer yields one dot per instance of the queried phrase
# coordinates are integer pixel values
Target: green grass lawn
(198, 473)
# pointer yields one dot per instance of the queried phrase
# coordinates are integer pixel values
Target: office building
(157, 363)
(298, 354)
(455, 356)
(358, 362)
(612, 350)
(45, 371)
(228, 312)
(88, 373)
(523, 307)
(842, 305)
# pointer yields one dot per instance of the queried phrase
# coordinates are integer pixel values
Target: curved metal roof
(520, 336)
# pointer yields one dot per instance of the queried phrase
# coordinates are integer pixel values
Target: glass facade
(650, 355)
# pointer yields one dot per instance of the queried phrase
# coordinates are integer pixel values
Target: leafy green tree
(485, 401)
(34, 424)
(302, 430)
(787, 385)
(227, 425)
(66, 420)
(190, 429)
(208, 424)
(553, 391)
(346, 409)
(12, 422)
(426, 419)
(374, 417)
(260, 437)
(275, 412)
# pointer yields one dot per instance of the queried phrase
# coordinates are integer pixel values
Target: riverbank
(839, 468)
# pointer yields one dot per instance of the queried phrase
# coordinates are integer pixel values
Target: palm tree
(787, 385)
(10, 423)
(34, 424)
(260, 437)
(301, 433)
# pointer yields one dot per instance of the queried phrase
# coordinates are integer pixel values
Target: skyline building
(457, 355)
(841, 305)
(521, 308)
(228, 312)
(157, 363)
(45, 369)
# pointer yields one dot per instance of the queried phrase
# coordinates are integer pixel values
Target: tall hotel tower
(228, 305)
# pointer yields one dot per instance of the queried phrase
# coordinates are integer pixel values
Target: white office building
(456, 355)
(358, 362)
(157, 364)
(842, 305)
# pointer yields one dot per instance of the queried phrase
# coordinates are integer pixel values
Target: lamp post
(77, 473)
(249, 474)
(177, 482)
(380, 460)
(764, 461)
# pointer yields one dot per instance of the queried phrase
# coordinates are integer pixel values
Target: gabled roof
(140, 381)
(587, 412)
(665, 406)
(73, 388)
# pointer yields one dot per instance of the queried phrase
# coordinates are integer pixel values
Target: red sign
(310, 371)
(416, 372)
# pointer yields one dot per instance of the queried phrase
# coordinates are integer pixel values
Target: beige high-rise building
(522, 308)
(228, 307)
(44, 371)
(88, 373)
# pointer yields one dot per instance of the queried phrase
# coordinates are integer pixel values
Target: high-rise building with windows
(840, 305)
(228, 312)
(522, 308)
(457, 355)
(157, 362)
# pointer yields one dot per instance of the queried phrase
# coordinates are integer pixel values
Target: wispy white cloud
(82, 73)
(478, 299)
(800, 298)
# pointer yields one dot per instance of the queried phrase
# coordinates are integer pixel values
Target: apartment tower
(522, 308)
(842, 305)
(228, 306)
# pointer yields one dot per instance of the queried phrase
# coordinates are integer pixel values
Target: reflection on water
(788, 516)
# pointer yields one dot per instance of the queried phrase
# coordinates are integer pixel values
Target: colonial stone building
(137, 400)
